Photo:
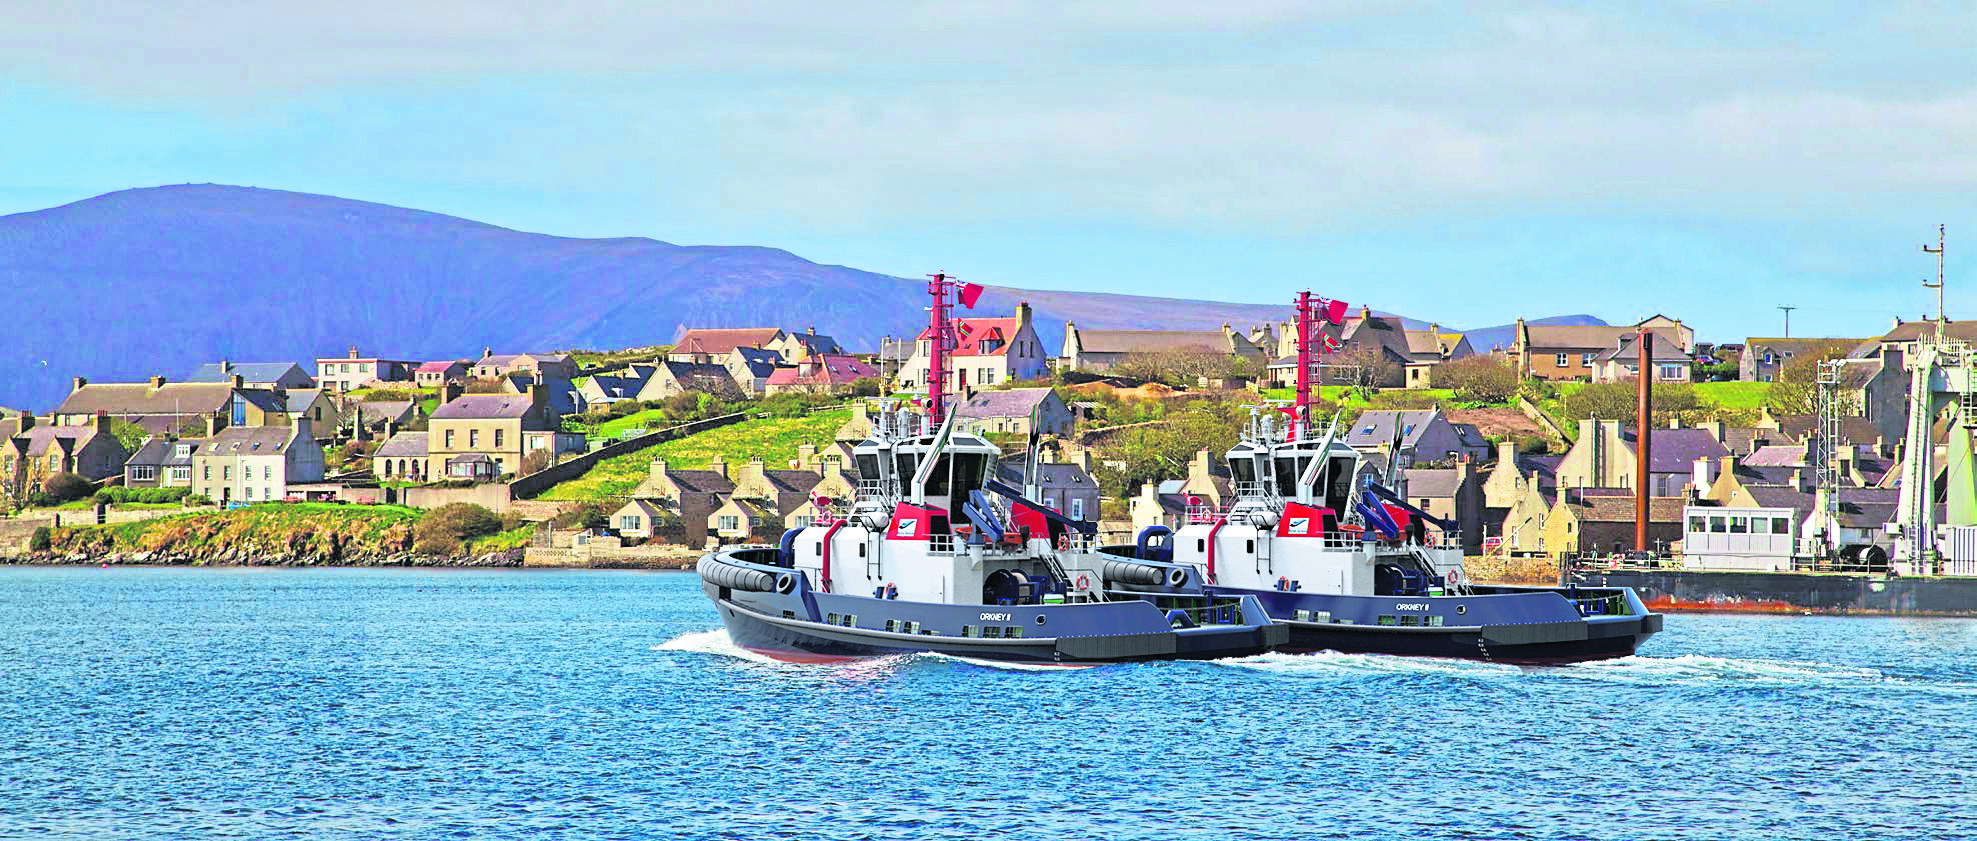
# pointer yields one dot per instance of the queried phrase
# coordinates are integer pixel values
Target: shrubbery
(1479, 379)
(115, 496)
(443, 530)
(66, 487)
(42, 540)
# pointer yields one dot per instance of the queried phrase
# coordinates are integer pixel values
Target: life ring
(1454, 577)
(1284, 583)
(1063, 542)
(892, 590)
(1084, 583)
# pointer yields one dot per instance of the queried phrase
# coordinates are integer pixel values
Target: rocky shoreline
(246, 558)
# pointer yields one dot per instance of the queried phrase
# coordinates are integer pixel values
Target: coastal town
(1768, 453)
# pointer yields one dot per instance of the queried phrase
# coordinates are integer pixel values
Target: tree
(130, 435)
(63, 487)
(535, 461)
(1178, 367)
(1619, 401)
(1479, 378)
(1368, 369)
(1796, 391)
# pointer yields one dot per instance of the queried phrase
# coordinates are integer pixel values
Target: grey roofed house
(484, 406)
(762, 363)
(1749, 474)
(265, 400)
(1009, 403)
(392, 411)
(248, 440)
(122, 399)
(404, 445)
(273, 374)
(701, 481)
(1426, 432)
(1776, 455)
(1624, 351)
(1433, 482)
(1152, 341)
(1853, 429)
(1676, 450)
(1860, 508)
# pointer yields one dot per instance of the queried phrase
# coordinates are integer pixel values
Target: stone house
(161, 463)
(541, 366)
(267, 375)
(485, 436)
(741, 520)
(1764, 359)
(713, 345)
(1166, 503)
(1425, 434)
(793, 347)
(1603, 457)
(1588, 521)
(1622, 362)
(354, 371)
(1454, 494)
(989, 352)
(693, 495)
(1517, 497)
(674, 377)
(36, 452)
(1099, 351)
(751, 368)
(165, 408)
(1065, 487)
(404, 457)
(256, 464)
(1569, 352)
(1427, 350)
(1013, 411)
(641, 519)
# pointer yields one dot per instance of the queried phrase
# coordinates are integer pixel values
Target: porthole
(1040, 619)
(1460, 609)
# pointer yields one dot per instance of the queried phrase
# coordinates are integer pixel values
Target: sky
(1461, 163)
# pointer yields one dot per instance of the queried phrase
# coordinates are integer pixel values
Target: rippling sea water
(275, 703)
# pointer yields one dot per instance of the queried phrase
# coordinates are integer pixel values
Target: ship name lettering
(998, 617)
(1411, 606)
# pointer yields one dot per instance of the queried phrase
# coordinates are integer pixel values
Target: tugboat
(1348, 564)
(934, 555)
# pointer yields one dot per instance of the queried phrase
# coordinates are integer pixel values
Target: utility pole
(1938, 285)
(1788, 320)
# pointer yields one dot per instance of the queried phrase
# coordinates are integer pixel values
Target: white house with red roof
(992, 351)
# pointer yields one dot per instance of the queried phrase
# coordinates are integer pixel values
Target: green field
(1734, 395)
(774, 440)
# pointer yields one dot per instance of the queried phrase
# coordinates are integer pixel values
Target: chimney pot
(158, 382)
(238, 381)
(353, 351)
(78, 383)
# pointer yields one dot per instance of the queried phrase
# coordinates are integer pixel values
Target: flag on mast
(1335, 312)
(970, 293)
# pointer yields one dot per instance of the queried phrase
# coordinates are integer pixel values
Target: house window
(182, 474)
(143, 472)
(803, 522)
(226, 473)
(730, 523)
(449, 439)
(629, 522)
(1078, 508)
(1050, 502)
(247, 492)
(1585, 360)
(497, 439)
(1562, 360)
(267, 473)
(206, 472)
(1671, 372)
(473, 438)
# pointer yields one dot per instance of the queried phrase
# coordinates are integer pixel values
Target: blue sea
(384, 704)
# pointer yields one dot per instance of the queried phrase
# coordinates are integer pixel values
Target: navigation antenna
(1938, 285)
(1823, 450)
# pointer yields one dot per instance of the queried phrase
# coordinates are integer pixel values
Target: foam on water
(1704, 670)
(1004, 665)
(715, 642)
(1330, 664)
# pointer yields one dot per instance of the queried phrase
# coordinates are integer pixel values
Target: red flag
(1331, 344)
(1335, 312)
(970, 292)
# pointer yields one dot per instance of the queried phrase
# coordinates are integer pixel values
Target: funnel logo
(1300, 525)
(906, 528)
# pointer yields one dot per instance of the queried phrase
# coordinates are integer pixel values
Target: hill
(159, 280)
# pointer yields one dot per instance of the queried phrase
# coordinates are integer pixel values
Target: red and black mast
(942, 338)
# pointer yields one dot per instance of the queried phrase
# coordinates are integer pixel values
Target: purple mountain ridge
(159, 280)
